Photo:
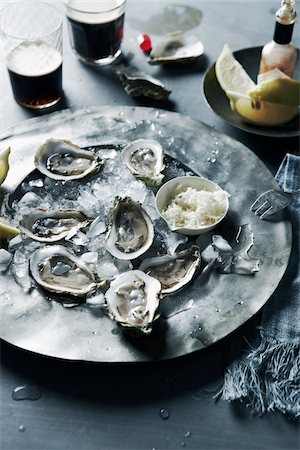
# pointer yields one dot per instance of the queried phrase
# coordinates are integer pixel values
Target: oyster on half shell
(176, 48)
(144, 158)
(62, 160)
(51, 226)
(173, 271)
(58, 270)
(133, 300)
(131, 230)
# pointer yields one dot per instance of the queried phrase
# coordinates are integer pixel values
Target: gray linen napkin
(267, 372)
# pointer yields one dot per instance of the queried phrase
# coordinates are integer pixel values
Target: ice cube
(107, 269)
(89, 257)
(5, 259)
(97, 227)
(15, 242)
(36, 183)
(96, 300)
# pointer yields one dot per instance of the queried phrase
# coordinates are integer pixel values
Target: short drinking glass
(96, 29)
(31, 33)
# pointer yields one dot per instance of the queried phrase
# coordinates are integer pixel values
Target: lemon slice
(261, 113)
(7, 230)
(284, 91)
(230, 73)
(4, 166)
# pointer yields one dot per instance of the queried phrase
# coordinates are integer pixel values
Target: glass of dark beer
(32, 44)
(96, 29)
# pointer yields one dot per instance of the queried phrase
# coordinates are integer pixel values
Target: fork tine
(267, 212)
(256, 204)
(262, 208)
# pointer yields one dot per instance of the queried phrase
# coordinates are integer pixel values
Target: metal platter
(213, 305)
(218, 101)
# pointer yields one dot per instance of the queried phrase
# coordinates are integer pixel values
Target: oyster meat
(173, 271)
(51, 226)
(140, 84)
(144, 158)
(58, 270)
(62, 160)
(176, 48)
(133, 300)
(131, 230)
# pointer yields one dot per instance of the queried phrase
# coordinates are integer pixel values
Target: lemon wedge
(284, 91)
(4, 166)
(262, 113)
(7, 230)
(247, 100)
(230, 73)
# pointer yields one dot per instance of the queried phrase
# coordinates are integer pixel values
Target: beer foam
(33, 58)
(92, 12)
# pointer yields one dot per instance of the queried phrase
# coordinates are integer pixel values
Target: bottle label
(283, 33)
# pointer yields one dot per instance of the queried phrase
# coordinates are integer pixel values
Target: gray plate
(217, 100)
(213, 305)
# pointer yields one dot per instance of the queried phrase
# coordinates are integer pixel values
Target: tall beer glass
(32, 44)
(96, 29)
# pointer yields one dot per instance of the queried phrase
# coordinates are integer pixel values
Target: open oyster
(62, 160)
(58, 270)
(173, 271)
(50, 226)
(140, 84)
(176, 48)
(133, 300)
(144, 158)
(131, 231)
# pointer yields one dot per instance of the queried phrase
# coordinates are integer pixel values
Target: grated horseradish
(191, 208)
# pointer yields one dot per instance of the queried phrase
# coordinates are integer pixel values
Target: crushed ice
(95, 197)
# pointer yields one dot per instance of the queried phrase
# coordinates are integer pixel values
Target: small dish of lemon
(269, 108)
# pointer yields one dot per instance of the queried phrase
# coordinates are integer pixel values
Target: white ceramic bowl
(166, 193)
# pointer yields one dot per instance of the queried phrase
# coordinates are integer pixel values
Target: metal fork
(270, 202)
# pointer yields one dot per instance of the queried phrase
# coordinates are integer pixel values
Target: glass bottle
(280, 53)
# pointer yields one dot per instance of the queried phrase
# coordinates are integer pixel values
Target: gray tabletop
(154, 405)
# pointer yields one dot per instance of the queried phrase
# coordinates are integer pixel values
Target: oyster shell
(131, 231)
(140, 84)
(133, 300)
(173, 271)
(144, 158)
(176, 48)
(58, 270)
(51, 226)
(62, 160)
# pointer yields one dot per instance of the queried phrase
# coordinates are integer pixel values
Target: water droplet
(22, 428)
(164, 413)
(240, 302)
(95, 332)
(170, 141)
(218, 310)
(89, 342)
(196, 317)
(115, 330)
(26, 392)
(208, 159)
(213, 160)
(188, 434)
(182, 444)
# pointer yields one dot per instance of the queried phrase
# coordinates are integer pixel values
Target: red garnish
(145, 42)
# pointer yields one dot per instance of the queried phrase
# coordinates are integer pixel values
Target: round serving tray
(208, 309)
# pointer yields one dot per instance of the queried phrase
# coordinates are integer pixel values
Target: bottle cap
(286, 15)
